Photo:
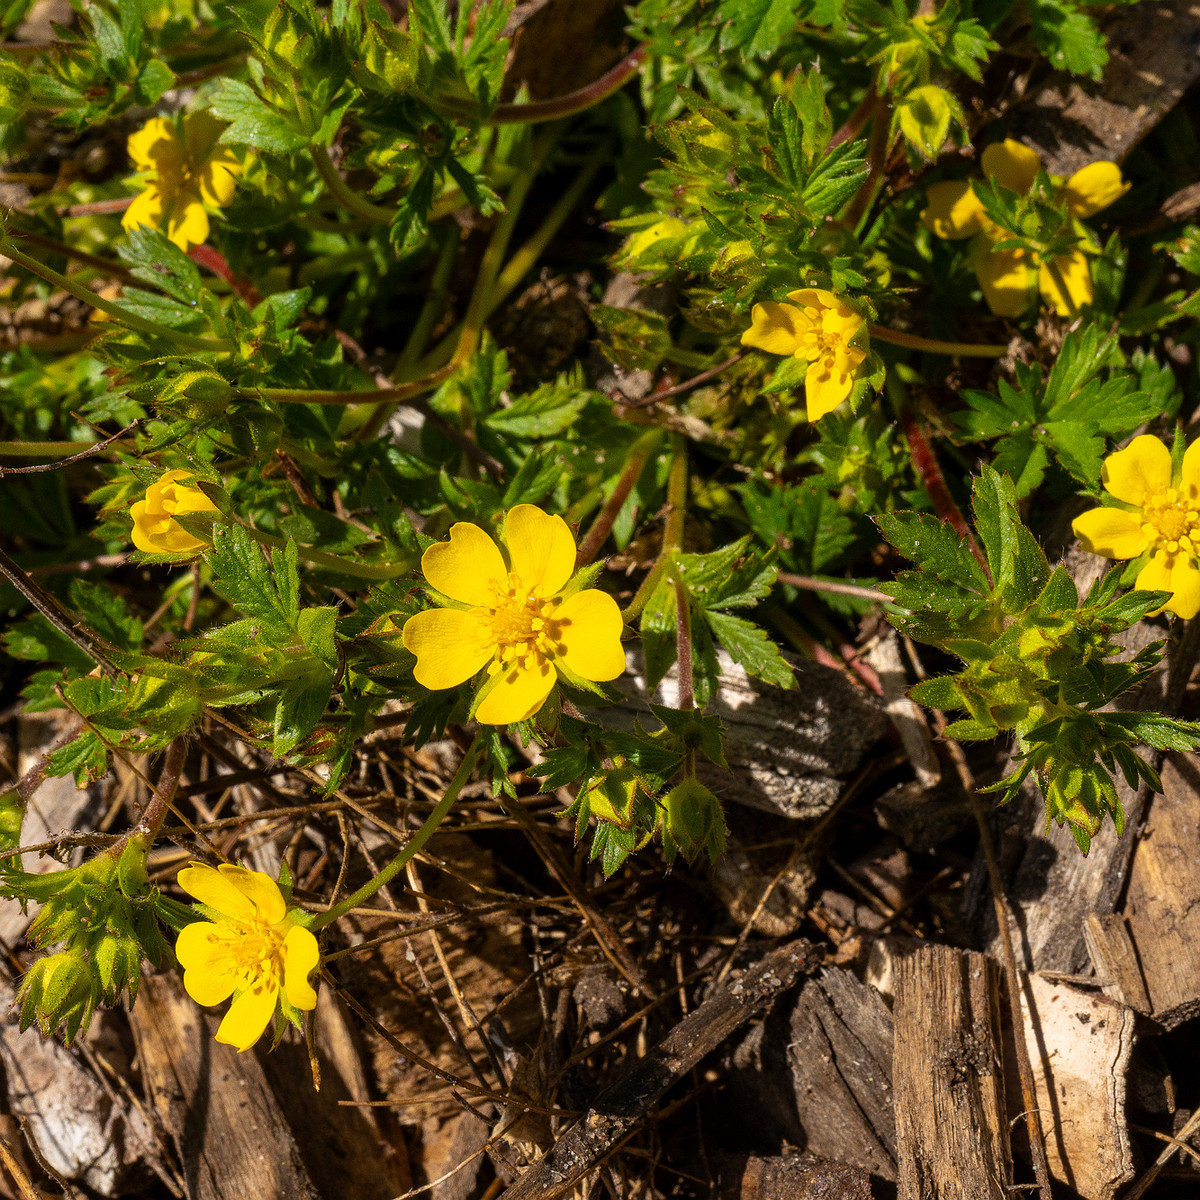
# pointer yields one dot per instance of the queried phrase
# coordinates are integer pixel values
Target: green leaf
(756, 28)
(752, 648)
(262, 591)
(1068, 37)
(543, 413)
(252, 121)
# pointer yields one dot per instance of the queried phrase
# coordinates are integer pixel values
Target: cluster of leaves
(1037, 659)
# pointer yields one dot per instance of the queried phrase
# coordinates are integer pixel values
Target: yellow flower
(183, 175)
(819, 327)
(1008, 277)
(254, 950)
(155, 529)
(1167, 520)
(515, 617)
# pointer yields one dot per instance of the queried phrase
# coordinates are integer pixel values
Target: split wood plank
(230, 1133)
(840, 1054)
(1080, 1046)
(951, 1122)
(1154, 57)
(1162, 904)
(620, 1108)
(1114, 958)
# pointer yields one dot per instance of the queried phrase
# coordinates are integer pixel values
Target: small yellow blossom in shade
(1011, 278)
(183, 175)
(254, 951)
(819, 328)
(155, 529)
(1166, 520)
(512, 617)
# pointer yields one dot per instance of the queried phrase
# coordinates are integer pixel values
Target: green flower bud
(694, 821)
(196, 396)
(389, 61)
(288, 37)
(57, 988)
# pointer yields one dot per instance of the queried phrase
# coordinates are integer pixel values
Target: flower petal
(1076, 274)
(952, 210)
(1112, 532)
(590, 628)
(180, 499)
(775, 328)
(520, 692)
(1177, 574)
(1094, 187)
(1140, 471)
(260, 889)
(825, 389)
(218, 180)
(146, 209)
(201, 130)
(467, 568)
(541, 549)
(1006, 277)
(1189, 476)
(1011, 165)
(830, 312)
(154, 142)
(248, 1015)
(210, 887)
(450, 645)
(210, 975)
(300, 955)
(188, 225)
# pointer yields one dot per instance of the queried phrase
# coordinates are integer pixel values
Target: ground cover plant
(374, 375)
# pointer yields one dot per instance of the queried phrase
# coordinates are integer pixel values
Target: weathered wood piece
(1154, 57)
(788, 750)
(792, 1177)
(84, 1131)
(1114, 958)
(1162, 904)
(619, 1108)
(840, 1055)
(231, 1136)
(951, 1122)
(1080, 1045)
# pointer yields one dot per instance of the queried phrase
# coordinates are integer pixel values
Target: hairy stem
(635, 462)
(881, 333)
(349, 199)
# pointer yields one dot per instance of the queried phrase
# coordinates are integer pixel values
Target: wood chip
(951, 1123)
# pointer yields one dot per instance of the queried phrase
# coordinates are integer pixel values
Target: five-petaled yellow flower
(1163, 517)
(1009, 277)
(820, 327)
(514, 614)
(253, 950)
(155, 529)
(183, 175)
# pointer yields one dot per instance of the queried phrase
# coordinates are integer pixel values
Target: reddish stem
(576, 101)
(214, 261)
(855, 121)
(934, 483)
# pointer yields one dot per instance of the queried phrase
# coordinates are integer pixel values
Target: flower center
(524, 628)
(1174, 519)
(826, 336)
(257, 951)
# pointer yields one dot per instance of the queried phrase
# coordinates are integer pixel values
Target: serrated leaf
(750, 646)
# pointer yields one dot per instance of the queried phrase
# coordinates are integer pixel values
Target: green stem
(414, 844)
(672, 530)
(141, 324)
(400, 392)
(881, 333)
(335, 562)
(493, 256)
(635, 462)
(357, 204)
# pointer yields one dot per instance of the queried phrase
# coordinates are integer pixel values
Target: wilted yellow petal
(1094, 187)
(1112, 532)
(468, 568)
(1177, 574)
(1011, 165)
(518, 694)
(450, 645)
(540, 548)
(775, 328)
(1140, 471)
(590, 631)
(1076, 274)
